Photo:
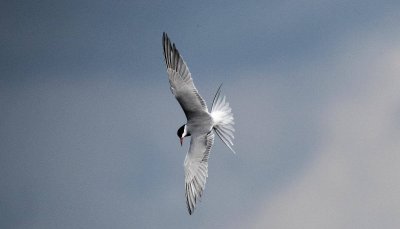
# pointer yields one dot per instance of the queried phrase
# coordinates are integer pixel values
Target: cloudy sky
(88, 123)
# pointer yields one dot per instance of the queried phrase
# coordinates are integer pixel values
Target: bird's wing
(196, 168)
(181, 81)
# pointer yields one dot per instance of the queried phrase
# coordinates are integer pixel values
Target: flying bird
(201, 124)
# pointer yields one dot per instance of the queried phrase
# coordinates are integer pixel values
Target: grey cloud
(88, 124)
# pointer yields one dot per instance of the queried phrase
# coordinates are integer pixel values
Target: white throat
(184, 131)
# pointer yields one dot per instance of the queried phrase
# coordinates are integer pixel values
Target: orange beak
(181, 139)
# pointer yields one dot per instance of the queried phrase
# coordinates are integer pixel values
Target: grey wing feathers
(196, 168)
(181, 81)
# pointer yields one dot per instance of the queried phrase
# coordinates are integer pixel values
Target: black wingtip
(165, 37)
(171, 54)
(167, 49)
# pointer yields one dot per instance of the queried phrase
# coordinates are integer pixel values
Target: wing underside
(181, 81)
(196, 168)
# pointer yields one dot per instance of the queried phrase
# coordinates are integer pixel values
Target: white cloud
(353, 181)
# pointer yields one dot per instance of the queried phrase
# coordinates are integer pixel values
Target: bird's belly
(200, 125)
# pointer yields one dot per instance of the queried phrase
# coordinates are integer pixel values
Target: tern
(201, 124)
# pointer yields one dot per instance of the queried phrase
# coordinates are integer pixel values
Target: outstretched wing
(196, 168)
(181, 81)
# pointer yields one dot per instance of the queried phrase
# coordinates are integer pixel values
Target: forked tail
(223, 119)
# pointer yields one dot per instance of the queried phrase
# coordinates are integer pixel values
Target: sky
(88, 123)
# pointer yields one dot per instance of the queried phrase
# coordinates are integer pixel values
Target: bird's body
(200, 125)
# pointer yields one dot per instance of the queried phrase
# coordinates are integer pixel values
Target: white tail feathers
(223, 119)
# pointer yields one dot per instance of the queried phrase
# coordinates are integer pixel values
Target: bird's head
(182, 132)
